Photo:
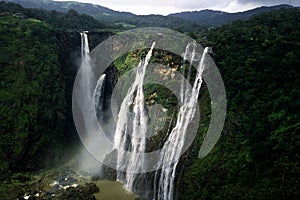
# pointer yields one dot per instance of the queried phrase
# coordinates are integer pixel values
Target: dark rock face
(32, 128)
(109, 173)
(70, 59)
(95, 38)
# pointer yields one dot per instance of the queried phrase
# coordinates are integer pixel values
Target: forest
(257, 154)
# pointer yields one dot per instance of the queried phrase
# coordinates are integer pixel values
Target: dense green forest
(219, 18)
(257, 156)
(33, 104)
(67, 21)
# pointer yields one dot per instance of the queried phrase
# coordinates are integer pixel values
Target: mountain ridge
(115, 19)
(219, 18)
(83, 8)
(127, 19)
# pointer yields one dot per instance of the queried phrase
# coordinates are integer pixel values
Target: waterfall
(132, 120)
(85, 49)
(86, 65)
(88, 75)
(99, 97)
(131, 127)
(173, 146)
(90, 98)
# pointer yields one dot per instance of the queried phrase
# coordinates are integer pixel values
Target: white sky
(165, 7)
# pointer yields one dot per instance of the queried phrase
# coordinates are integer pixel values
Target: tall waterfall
(87, 69)
(90, 98)
(86, 65)
(173, 146)
(132, 120)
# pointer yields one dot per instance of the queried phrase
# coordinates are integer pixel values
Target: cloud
(157, 4)
(171, 6)
(270, 2)
(266, 2)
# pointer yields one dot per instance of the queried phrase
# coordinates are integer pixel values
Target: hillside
(110, 18)
(179, 21)
(218, 18)
(33, 104)
(83, 8)
(257, 156)
(71, 20)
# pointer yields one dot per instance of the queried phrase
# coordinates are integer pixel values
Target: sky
(165, 7)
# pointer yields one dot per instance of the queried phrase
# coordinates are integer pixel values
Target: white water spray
(99, 96)
(91, 99)
(132, 120)
(174, 145)
(87, 73)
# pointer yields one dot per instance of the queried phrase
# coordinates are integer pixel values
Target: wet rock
(63, 185)
(66, 180)
(110, 173)
(96, 177)
(84, 192)
(70, 192)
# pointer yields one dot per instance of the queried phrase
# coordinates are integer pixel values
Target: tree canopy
(257, 156)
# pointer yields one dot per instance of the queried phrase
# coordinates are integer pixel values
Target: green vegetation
(257, 156)
(70, 20)
(82, 16)
(219, 18)
(163, 96)
(32, 96)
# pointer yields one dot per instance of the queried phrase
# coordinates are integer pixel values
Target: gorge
(42, 156)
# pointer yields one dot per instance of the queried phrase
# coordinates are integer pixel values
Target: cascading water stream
(85, 49)
(90, 97)
(99, 96)
(173, 146)
(86, 66)
(98, 92)
(131, 127)
(132, 120)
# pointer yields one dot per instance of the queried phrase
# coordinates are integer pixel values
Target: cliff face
(38, 69)
(256, 157)
(33, 104)
(96, 37)
(112, 74)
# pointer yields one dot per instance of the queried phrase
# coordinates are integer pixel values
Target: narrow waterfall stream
(99, 97)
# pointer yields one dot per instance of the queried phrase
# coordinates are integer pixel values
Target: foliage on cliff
(257, 156)
(69, 20)
(32, 96)
(87, 16)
